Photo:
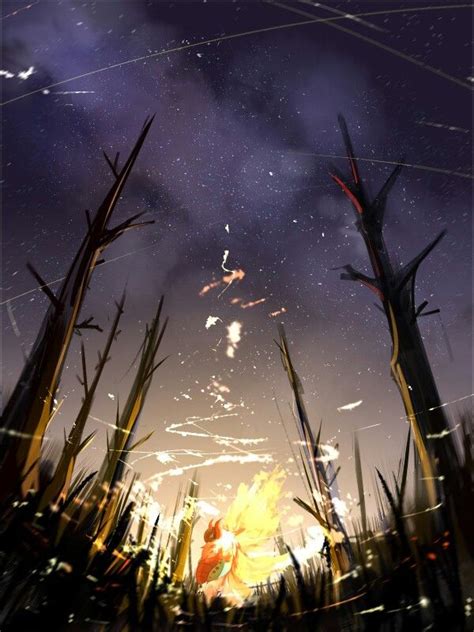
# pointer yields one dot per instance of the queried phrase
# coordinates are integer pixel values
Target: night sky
(243, 130)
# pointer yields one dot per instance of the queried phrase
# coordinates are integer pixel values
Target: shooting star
(350, 406)
(450, 128)
(448, 172)
(367, 427)
(377, 44)
(278, 27)
(17, 11)
(51, 283)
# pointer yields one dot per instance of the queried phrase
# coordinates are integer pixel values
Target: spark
(350, 406)
(233, 338)
(17, 11)
(232, 36)
(207, 288)
(113, 426)
(224, 261)
(454, 401)
(226, 228)
(26, 74)
(7, 74)
(228, 279)
(242, 459)
(211, 321)
(447, 172)
(385, 47)
(194, 422)
(443, 433)
(380, 608)
(423, 511)
(367, 427)
(278, 312)
(253, 303)
(236, 275)
(70, 92)
(451, 128)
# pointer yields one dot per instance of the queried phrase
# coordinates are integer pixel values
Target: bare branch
(377, 207)
(44, 287)
(87, 324)
(409, 271)
(112, 165)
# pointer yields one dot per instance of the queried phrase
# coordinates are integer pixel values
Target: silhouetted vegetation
(77, 551)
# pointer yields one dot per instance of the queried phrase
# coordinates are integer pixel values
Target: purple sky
(236, 124)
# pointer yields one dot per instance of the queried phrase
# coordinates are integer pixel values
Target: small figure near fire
(233, 558)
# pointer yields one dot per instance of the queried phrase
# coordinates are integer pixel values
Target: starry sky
(246, 97)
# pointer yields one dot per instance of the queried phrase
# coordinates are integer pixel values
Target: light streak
(451, 128)
(70, 92)
(380, 608)
(367, 427)
(349, 16)
(106, 423)
(207, 288)
(51, 283)
(454, 401)
(385, 47)
(423, 511)
(242, 459)
(443, 433)
(232, 36)
(253, 303)
(447, 172)
(350, 406)
(17, 11)
(194, 422)
(278, 312)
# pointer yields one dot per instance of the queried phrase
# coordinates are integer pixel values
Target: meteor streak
(268, 29)
(448, 172)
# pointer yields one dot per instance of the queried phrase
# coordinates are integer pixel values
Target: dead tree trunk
(29, 409)
(394, 286)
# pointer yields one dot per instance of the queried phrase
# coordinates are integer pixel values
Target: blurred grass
(89, 559)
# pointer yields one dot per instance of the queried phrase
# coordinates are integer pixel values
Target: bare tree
(394, 286)
(31, 404)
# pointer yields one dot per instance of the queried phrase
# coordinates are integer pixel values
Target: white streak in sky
(367, 427)
(350, 406)
(443, 433)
